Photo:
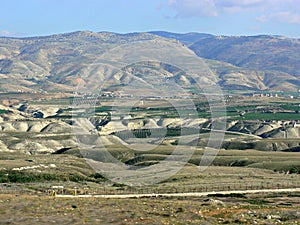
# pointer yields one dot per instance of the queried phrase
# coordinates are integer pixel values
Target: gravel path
(191, 194)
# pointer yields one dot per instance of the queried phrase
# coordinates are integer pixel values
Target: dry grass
(24, 209)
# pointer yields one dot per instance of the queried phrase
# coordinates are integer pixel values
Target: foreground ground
(33, 161)
(215, 209)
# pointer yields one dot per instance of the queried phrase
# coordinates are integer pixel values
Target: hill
(187, 38)
(272, 53)
(61, 62)
(55, 62)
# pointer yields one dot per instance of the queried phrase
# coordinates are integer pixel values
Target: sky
(19, 18)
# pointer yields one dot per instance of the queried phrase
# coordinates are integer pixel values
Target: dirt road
(191, 194)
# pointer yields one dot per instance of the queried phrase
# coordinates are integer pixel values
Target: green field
(4, 111)
(271, 116)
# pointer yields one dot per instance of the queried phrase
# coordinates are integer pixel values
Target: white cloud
(194, 8)
(200, 8)
(279, 10)
(283, 17)
(288, 17)
(233, 6)
(239, 3)
(7, 33)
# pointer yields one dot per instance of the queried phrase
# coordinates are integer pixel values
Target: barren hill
(61, 62)
(276, 54)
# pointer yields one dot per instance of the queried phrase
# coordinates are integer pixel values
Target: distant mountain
(272, 53)
(61, 62)
(55, 62)
(187, 38)
(232, 77)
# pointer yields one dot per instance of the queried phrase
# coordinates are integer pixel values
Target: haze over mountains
(60, 62)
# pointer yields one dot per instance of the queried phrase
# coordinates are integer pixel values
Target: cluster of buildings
(276, 95)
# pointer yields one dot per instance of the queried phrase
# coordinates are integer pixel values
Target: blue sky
(220, 17)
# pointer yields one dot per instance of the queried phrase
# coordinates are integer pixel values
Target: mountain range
(62, 62)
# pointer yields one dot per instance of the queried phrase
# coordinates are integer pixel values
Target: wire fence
(200, 188)
(109, 190)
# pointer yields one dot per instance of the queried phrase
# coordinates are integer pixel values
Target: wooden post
(75, 191)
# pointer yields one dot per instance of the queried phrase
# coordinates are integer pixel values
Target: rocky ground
(254, 209)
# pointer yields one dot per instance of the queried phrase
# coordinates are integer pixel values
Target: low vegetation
(248, 209)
